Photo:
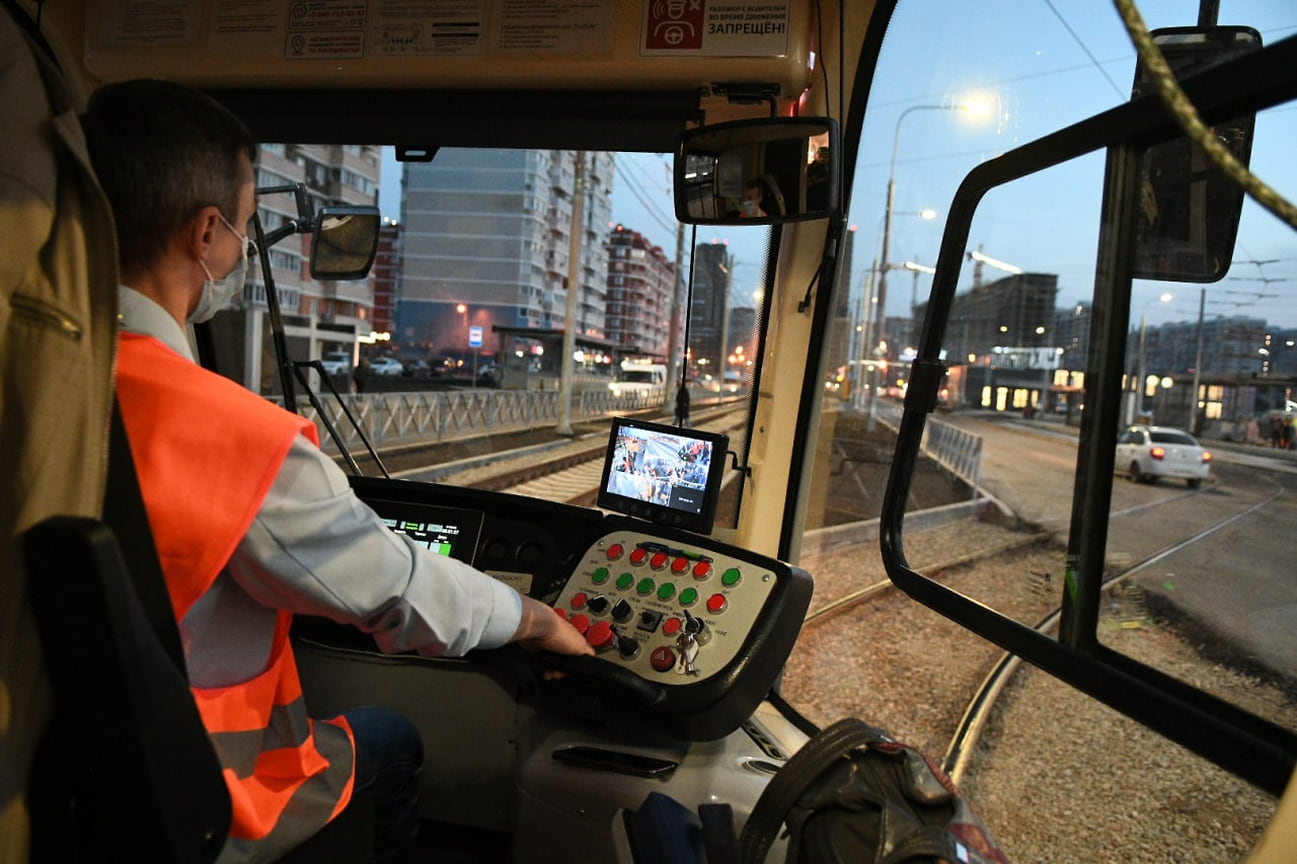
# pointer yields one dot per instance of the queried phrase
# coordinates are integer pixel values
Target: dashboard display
(450, 531)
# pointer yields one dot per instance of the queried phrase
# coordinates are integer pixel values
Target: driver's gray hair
(162, 152)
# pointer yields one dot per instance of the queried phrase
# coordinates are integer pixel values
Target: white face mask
(749, 207)
(218, 292)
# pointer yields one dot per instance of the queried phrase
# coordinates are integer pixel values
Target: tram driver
(252, 522)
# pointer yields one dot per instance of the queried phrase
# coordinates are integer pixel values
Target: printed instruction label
(715, 28)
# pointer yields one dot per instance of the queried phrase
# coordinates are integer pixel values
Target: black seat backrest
(126, 770)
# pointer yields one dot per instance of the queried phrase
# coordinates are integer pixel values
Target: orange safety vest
(207, 451)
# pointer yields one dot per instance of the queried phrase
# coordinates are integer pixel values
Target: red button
(600, 636)
(659, 560)
(702, 569)
(638, 555)
(562, 613)
(615, 551)
(663, 659)
(716, 603)
(671, 626)
(581, 623)
(680, 565)
(579, 600)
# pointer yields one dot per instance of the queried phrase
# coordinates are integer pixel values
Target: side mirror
(344, 242)
(1188, 209)
(768, 171)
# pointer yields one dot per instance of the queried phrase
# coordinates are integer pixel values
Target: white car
(386, 366)
(336, 362)
(1146, 453)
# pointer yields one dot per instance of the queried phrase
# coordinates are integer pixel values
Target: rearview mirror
(344, 242)
(1188, 209)
(768, 171)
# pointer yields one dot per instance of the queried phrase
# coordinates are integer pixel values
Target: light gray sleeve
(315, 548)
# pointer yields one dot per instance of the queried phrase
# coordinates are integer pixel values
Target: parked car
(1146, 453)
(386, 366)
(416, 369)
(336, 362)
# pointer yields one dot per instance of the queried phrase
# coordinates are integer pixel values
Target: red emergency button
(658, 561)
(663, 659)
(638, 555)
(680, 565)
(615, 551)
(702, 569)
(671, 626)
(716, 603)
(579, 600)
(600, 636)
(582, 622)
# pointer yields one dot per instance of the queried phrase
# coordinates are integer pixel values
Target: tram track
(963, 743)
(960, 752)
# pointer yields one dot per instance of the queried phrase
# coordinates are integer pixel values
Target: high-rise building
(387, 278)
(709, 307)
(487, 243)
(1072, 334)
(641, 280)
(317, 316)
(1231, 346)
(1014, 312)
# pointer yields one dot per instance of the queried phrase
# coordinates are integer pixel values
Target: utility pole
(674, 348)
(1197, 367)
(566, 376)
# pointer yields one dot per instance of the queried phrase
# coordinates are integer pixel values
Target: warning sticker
(426, 28)
(555, 26)
(715, 28)
(326, 29)
(166, 22)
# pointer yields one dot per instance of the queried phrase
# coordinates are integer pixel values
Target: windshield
(1213, 359)
(460, 329)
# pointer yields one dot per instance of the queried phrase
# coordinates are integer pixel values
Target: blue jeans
(389, 763)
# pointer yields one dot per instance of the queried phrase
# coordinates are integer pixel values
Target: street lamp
(1137, 404)
(881, 311)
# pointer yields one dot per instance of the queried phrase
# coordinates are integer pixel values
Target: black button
(649, 621)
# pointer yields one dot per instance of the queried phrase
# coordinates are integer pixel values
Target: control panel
(671, 611)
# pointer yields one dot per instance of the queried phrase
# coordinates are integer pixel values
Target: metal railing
(957, 450)
(408, 418)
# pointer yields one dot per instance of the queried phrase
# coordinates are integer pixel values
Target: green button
(599, 576)
(644, 586)
(625, 580)
(730, 577)
(689, 597)
(666, 591)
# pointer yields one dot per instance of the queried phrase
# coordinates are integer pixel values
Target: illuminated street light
(1137, 404)
(977, 109)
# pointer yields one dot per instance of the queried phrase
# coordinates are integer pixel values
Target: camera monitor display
(664, 474)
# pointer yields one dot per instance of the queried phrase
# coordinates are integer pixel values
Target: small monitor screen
(664, 474)
(450, 531)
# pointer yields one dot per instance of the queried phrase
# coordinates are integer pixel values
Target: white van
(636, 377)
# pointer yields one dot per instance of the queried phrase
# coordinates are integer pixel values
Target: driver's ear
(200, 231)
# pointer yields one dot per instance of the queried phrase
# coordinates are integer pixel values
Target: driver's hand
(541, 629)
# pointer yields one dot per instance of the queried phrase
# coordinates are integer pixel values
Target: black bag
(852, 794)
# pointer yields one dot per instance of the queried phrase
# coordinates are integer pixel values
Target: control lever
(623, 683)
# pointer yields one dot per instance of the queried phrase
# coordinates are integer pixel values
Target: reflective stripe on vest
(207, 451)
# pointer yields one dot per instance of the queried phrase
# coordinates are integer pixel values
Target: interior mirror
(1188, 209)
(781, 169)
(344, 242)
